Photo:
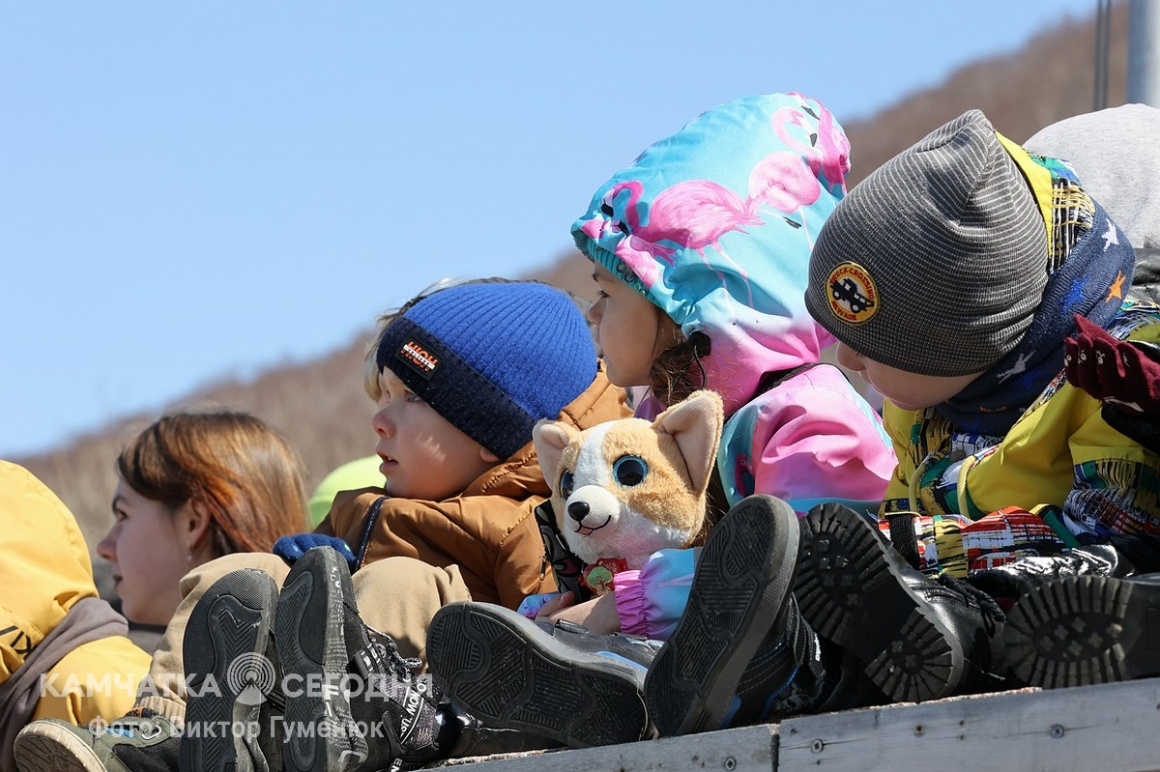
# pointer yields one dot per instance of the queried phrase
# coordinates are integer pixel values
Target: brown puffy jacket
(489, 530)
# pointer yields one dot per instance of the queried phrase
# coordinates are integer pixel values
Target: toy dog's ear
(550, 439)
(695, 423)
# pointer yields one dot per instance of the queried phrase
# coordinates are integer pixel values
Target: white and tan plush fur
(605, 518)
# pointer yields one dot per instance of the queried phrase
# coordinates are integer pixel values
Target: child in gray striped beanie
(954, 278)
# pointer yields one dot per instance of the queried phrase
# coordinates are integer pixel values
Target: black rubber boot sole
(225, 640)
(320, 732)
(744, 578)
(1085, 630)
(850, 589)
(505, 670)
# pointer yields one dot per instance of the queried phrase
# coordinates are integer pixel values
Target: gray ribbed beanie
(936, 262)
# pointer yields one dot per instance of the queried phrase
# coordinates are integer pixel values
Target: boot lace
(394, 666)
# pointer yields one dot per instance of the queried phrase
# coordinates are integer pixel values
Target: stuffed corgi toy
(624, 489)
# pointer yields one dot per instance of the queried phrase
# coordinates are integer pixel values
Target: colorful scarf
(1090, 269)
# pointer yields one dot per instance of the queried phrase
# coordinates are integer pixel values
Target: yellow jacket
(44, 572)
(1060, 453)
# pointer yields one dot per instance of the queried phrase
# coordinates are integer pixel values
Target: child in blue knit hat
(460, 374)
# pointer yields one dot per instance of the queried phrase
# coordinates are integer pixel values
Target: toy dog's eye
(566, 484)
(629, 470)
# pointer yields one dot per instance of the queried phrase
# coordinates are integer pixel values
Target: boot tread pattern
(1085, 630)
(232, 615)
(311, 643)
(915, 665)
(851, 592)
(55, 749)
(500, 673)
(744, 576)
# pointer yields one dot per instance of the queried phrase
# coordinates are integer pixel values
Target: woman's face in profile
(147, 556)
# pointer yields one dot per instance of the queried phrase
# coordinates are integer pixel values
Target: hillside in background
(1050, 79)
(321, 407)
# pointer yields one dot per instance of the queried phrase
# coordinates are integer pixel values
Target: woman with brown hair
(195, 486)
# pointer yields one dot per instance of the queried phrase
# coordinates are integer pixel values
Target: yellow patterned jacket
(1060, 459)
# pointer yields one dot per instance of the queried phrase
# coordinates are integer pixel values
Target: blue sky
(192, 191)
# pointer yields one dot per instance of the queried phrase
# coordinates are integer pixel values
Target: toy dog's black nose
(578, 510)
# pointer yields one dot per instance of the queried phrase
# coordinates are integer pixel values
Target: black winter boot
(352, 702)
(843, 683)
(1076, 630)
(1011, 581)
(559, 682)
(738, 642)
(232, 677)
(917, 638)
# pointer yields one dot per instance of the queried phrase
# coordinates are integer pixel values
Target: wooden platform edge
(1109, 728)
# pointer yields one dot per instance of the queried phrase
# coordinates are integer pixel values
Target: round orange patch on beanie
(852, 293)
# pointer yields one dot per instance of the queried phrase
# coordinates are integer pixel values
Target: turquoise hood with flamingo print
(715, 225)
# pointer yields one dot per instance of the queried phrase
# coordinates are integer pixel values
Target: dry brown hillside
(321, 407)
(1049, 79)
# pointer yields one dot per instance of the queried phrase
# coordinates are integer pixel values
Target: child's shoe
(356, 704)
(917, 638)
(231, 676)
(141, 741)
(575, 688)
(1079, 630)
(1010, 581)
(739, 640)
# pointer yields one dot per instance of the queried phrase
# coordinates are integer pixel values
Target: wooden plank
(745, 749)
(1109, 728)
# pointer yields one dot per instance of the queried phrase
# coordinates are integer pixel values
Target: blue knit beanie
(492, 358)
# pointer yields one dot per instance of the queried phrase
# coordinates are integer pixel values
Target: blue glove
(290, 548)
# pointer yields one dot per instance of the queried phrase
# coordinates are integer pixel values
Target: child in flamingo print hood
(700, 251)
(714, 225)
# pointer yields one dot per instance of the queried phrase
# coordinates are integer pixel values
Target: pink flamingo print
(828, 150)
(782, 119)
(697, 214)
(834, 148)
(694, 214)
(784, 181)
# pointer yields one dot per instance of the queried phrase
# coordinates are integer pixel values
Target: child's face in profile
(424, 455)
(909, 391)
(630, 331)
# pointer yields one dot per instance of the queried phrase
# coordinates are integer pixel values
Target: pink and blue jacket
(714, 225)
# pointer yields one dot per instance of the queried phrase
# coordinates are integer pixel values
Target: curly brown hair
(674, 375)
(677, 371)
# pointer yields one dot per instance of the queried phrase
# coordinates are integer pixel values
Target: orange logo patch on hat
(418, 355)
(853, 296)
